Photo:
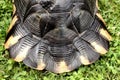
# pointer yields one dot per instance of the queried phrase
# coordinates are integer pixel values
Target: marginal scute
(105, 34)
(41, 66)
(22, 55)
(62, 67)
(84, 60)
(40, 62)
(13, 1)
(14, 9)
(100, 17)
(11, 41)
(99, 48)
(15, 18)
(97, 4)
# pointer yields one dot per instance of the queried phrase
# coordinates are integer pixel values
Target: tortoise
(57, 35)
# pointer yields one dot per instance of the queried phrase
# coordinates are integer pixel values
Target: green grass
(107, 68)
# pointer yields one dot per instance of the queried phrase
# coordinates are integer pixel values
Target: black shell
(56, 35)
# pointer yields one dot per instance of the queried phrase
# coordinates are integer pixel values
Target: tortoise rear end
(57, 35)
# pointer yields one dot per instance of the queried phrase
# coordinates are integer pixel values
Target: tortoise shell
(56, 35)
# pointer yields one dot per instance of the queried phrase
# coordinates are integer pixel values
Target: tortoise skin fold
(56, 35)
